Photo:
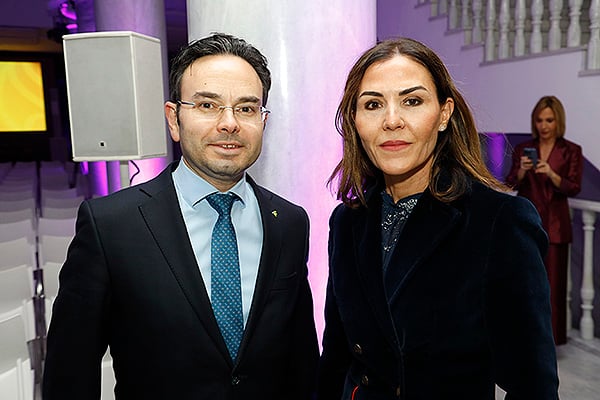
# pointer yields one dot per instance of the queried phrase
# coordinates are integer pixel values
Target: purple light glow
(98, 178)
(149, 168)
(68, 12)
(496, 148)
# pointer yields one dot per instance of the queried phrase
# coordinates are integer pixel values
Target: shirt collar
(194, 189)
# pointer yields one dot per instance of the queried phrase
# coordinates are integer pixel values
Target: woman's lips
(394, 145)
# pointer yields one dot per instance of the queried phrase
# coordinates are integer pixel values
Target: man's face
(218, 145)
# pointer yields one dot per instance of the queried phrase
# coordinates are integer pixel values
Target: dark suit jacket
(469, 303)
(566, 159)
(131, 282)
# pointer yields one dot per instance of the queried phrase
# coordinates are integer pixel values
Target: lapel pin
(274, 212)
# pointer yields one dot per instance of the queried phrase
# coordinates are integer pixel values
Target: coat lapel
(429, 224)
(164, 220)
(415, 246)
(366, 233)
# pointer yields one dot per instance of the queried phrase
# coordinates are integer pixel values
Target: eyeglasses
(242, 112)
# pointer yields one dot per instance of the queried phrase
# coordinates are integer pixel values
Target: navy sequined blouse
(393, 218)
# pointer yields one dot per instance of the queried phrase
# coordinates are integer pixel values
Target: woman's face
(545, 123)
(398, 117)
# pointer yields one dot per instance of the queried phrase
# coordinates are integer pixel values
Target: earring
(442, 127)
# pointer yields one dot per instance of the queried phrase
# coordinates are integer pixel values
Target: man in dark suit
(139, 276)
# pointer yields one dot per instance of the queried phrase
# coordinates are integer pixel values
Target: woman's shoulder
(343, 214)
(569, 145)
(495, 200)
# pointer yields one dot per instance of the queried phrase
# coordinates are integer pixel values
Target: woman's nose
(392, 119)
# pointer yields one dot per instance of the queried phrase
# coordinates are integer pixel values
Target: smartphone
(531, 153)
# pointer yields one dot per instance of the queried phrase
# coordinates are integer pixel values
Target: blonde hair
(553, 103)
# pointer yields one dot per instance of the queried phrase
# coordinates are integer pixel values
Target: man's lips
(227, 146)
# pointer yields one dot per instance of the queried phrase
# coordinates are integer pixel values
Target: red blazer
(566, 160)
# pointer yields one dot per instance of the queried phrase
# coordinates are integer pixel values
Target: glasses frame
(262, 110)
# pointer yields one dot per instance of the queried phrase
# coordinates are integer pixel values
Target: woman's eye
(372, 105)
(411, 102)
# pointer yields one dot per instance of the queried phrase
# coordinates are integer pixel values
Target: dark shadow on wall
(497, 149)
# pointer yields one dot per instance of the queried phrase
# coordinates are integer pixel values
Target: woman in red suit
(548, 182)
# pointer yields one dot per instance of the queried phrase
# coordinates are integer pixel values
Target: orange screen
(22, 106)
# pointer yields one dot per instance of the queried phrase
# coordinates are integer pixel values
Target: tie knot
(222, 202)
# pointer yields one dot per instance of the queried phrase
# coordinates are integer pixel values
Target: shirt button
(235, 380)
(357, 349)
(365, 380)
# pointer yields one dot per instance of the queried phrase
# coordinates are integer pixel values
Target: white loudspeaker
(115, 94)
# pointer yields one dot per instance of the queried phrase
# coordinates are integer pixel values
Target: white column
(310, 46)
(477, 21)
(555, 34)
(504, 21)
(147, 18)
(434, 8)
(574, 31)
(537, 10)
(490, 31)
(453, 14)
(587, 284)
(466, 21)
(520, 15)
(593, 55)
(443, 7)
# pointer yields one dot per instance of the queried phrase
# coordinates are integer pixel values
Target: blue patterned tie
(226, 291)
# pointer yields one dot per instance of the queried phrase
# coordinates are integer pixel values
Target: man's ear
(172, 120)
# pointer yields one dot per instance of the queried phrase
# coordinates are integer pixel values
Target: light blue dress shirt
(200, 218)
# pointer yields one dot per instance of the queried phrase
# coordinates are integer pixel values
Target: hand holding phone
(531, 153)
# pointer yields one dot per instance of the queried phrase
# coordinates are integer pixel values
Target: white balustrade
(504, 21)
(589, 209)
(520, 16)
(490, 30)
(519, 28)
(466, 21)
(537, 10)
(593, 61)
(453, 15)
(434, 8)
(477, 21)
(443, 7)
(574, 31)
(555, 34)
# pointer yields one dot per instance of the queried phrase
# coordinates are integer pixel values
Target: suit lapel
(272, 234)
(165, 222)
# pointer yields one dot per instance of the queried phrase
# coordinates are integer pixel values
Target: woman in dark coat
(549, 183)
(437, 288)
